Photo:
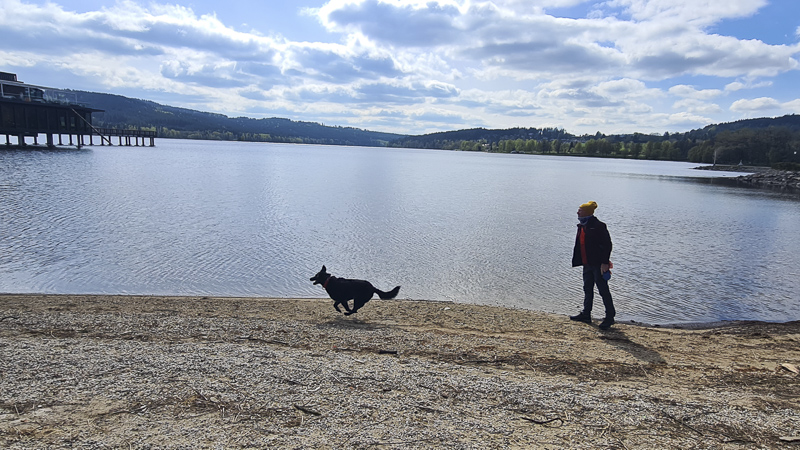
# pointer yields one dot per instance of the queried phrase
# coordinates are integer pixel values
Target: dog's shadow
(347, 323)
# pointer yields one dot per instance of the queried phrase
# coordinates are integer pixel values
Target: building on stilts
(28, 112)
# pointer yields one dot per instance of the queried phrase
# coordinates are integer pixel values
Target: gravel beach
(98, 371)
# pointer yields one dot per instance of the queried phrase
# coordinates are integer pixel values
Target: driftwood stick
(543, 422)
(206, 399)
(307, 411)
(429, 409)
(292, 382)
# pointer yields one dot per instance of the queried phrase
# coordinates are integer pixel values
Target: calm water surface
(245, 219)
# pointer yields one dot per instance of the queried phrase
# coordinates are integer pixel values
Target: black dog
(341, 290)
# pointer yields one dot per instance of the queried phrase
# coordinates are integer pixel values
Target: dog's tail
(388, 295)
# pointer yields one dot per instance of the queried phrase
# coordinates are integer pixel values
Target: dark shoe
(582, 317)
(606, 323)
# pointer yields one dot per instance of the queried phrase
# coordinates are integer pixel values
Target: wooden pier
(107, 136)
(128, 138)
(26, 113)
(125, 137)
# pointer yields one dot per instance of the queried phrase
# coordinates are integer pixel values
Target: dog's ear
(324, 269)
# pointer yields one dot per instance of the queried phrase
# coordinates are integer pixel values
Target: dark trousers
(592, 277)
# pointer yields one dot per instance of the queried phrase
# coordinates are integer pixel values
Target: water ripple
(200, 218)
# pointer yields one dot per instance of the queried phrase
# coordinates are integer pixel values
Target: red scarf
(583, 245)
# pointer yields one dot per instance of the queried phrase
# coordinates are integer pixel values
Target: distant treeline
(474, 138)
(760, 142)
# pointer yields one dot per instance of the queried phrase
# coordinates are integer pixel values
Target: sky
(423, 66)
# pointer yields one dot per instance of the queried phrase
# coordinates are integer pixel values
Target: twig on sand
(307, 411)
(544, 422)
(204, 398)
(609, 429)
(429, 409)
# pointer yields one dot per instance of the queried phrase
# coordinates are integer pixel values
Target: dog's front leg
(354, 310)
(343, 303)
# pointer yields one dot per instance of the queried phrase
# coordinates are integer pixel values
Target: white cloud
(687, 119)
(696, 106)
(524, 44)
(626, 88)
(538, 4)
(686, 91)
(792, 107)
(654, 56)
(406, 23)
(735, 86)
(738, 85)
(756, 104)
(689, 11)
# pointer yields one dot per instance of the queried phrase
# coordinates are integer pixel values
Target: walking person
(593, 252)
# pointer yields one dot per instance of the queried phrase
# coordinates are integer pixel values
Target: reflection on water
(243, 219)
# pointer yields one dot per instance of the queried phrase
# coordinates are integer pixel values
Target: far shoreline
(760, 177)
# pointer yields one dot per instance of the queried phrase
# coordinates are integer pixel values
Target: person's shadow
(618, 339)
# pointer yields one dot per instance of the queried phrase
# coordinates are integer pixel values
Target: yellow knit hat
(589, 206)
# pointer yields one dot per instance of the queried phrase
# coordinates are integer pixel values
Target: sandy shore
(167, 372)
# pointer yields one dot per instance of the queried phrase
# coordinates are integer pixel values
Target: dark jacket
(598, 244)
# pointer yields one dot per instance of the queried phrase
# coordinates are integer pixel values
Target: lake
(202, 218)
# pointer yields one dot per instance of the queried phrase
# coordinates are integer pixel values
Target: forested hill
(762, 142)
(452, 139)
(790, 122)
(172, 122)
